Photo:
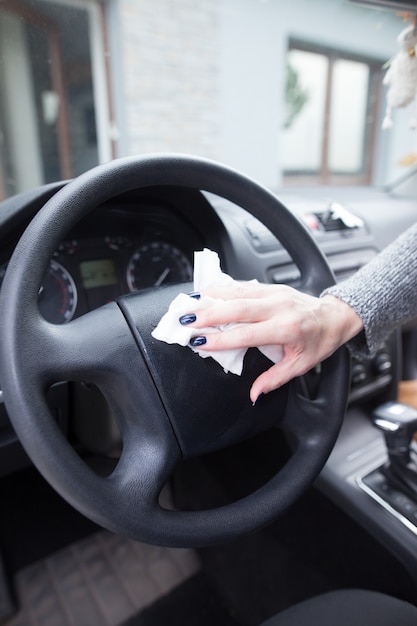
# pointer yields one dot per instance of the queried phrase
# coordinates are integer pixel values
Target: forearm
(383, 293)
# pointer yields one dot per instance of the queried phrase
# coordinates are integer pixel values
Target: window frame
(101, 83)
(324, 176)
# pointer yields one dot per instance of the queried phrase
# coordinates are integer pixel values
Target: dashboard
(146, 238)
(122, 247)
(88, 272)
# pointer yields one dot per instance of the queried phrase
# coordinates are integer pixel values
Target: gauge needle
(162, 277)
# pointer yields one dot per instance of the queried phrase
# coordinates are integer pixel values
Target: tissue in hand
(207, 272)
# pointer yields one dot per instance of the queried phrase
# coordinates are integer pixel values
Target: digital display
(98, 273)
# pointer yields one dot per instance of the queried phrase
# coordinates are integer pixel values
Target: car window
(288, 94)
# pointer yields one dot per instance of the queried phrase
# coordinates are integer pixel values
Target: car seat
(350, 607)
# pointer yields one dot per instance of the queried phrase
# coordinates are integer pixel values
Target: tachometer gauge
(57, 296)
(157, 263)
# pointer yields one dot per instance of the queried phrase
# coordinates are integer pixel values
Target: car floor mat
(102, 579)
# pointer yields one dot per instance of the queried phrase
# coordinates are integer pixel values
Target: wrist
(341, 318)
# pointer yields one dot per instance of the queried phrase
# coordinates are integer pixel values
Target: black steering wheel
(169, 403)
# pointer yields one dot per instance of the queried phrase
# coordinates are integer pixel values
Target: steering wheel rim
(35, 354)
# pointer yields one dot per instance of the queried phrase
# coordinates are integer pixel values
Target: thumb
(274, 377)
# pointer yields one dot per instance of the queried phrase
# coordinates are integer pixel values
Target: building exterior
(83, 81)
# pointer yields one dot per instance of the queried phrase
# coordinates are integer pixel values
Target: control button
(400, 500)
(311, 221)
(358, 374)
(382, 363)
(397, 500)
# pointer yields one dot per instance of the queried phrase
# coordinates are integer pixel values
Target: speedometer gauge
(58, 295)
(157, 263)
(57, 298)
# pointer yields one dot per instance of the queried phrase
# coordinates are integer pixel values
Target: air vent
(262, 238)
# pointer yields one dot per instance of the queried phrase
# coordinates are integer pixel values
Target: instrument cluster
(86, 273)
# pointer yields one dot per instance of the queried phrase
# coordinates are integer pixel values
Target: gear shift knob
(398, 422)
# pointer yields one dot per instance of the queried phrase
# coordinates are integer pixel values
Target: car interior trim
(406, 522)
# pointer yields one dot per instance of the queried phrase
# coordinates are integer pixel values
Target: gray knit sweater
(383, 293)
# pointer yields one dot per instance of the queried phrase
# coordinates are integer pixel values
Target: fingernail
(195, 294)
(195, 342)
(258, 398)
(187, 319)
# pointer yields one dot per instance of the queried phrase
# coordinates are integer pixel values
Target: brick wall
(171, 68)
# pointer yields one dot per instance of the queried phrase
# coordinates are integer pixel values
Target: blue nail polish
(195, 294)
(258, 398)
(189, 318)
(195, 342)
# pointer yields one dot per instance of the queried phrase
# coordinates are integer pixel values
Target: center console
(358, 475)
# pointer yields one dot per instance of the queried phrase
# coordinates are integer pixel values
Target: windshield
(289, 93)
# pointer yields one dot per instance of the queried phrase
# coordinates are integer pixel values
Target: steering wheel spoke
(82, 349)
(308, 414)
(146, 464)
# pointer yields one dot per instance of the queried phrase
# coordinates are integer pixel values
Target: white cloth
(207, 272)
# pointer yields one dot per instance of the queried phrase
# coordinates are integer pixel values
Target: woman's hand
(309, 329)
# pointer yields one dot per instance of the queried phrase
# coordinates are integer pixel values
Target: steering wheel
(169, 403)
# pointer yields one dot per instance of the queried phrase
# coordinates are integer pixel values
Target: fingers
(222, 312)
(241, 290)
(265, 383)
(242, 335)
(278, 375)
(273, 378)
(241, 302)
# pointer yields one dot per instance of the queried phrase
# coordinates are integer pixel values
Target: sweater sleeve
(383, 293)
